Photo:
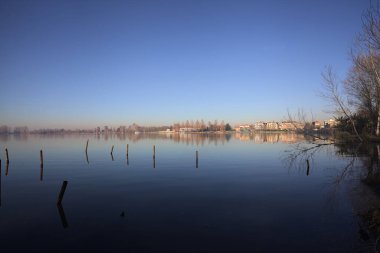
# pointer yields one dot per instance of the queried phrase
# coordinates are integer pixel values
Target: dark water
(245, 195)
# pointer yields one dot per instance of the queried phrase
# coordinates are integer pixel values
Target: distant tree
(227, 127)
(360, 94)
(197, 125)
(221, 127)
(203, 125)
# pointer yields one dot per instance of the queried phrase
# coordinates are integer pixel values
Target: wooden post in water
(308, 167)
(196, 159)
(87, 146)
(127, 149)
(112, 153)
(62, 192)
(41, 158)
(41, 165)
(7, 155)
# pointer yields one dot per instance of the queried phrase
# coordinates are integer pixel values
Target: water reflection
(0, 181)
(183, 138)
(41, 171)
(62, 215)
(88, 162)
(7, 168)
(237, 194)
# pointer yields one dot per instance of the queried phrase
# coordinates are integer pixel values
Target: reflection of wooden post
(41, 172)
(87, 146)
(65, 224)
(6, 169)
(196, 159)
(62, 192)
(154, 156)
(0, 182)
(6, 153)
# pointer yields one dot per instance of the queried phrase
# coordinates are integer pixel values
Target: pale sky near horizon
(81, 64)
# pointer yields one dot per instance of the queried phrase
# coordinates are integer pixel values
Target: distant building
(291, 126)
(272, 126)
(260, 125)
(243, 128)
(317, 124)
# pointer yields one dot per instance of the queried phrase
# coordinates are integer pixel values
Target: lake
(248, 193)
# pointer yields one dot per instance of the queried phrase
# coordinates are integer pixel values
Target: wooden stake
(41, 158)
(62, 192)
(308, 167)
(127, 149)
(112, 150)
(6, 153)
(87, 146)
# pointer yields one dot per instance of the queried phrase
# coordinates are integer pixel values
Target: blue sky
(88, 63)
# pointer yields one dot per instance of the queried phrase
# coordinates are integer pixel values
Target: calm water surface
(245, 195)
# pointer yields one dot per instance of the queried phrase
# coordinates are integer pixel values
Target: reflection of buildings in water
(270, 137)
(209, 138)
(4, 137)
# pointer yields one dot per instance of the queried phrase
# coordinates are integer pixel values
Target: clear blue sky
(87, 63)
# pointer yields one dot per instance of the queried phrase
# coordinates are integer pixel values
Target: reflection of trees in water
(360, 169)
(368, 155)
(301, 155)
(184, 138)
(361, 159)
(209, 138)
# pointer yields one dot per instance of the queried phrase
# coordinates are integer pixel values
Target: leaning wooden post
(62, 192)
(87, 146)
(112, 150)
(196, 159)
(6, 153)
